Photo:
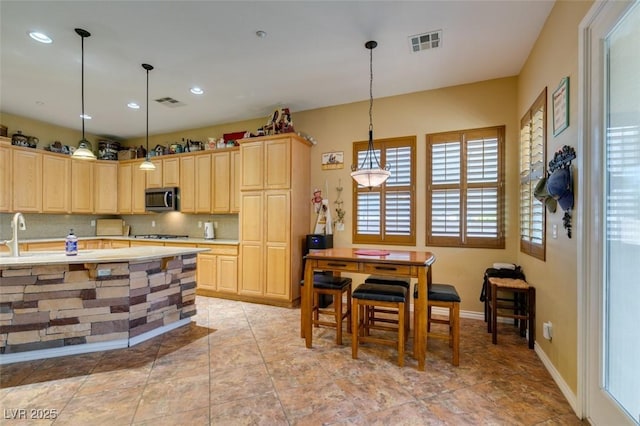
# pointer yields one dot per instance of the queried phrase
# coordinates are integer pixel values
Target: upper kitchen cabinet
(195, 183)
(105, 175)
(266, 162)
(235, 182)
(27, 180)
(131, 186)
(56, 183)
(83, 186)
(221, 170)
(166, 174)
(5, 175)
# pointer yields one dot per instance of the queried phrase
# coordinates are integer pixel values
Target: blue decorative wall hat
(560, 187)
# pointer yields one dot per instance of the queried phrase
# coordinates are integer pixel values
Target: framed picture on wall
(333, 160)
(560, 104)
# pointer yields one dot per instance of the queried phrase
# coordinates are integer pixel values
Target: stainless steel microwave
(161, 199)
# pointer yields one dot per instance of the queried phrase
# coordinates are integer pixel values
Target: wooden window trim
(382, 238)
(529, 247)
(463, 240)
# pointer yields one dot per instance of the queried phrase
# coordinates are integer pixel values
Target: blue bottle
(71, 244)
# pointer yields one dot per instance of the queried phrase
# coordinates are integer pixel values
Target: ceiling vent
(170, 102)
(426, 41)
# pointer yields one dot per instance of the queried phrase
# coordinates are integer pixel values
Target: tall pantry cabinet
(274, 216)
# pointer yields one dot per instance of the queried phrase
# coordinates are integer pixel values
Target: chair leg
(494, 315)
(531, 296)
(316, 306)
(349, 327)
(355, 332)
(401, 322)
(454, 320)
(337, 306)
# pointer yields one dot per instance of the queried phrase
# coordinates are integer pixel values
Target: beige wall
(554, 56)
(45, 132)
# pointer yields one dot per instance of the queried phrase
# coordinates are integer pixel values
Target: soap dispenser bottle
(71, 244)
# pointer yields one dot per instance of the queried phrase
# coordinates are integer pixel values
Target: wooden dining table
(397, 263)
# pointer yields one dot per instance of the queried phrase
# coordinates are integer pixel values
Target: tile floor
(243, 364)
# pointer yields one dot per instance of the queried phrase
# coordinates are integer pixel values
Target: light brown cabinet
(105, 188)
(221, 188)
(235, 182)
(131, 186)
(270, 238)
(5, 176)
(166, 174)
(217, 270)
(187, 184)
(56, 184)
(83, 185)
(203, 184)
(27, 180)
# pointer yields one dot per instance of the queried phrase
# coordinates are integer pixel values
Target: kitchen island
(53, 305)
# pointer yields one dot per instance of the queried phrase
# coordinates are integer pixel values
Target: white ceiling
(312, 57)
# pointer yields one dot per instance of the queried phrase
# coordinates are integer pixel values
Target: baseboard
(63, 351)
(89, 347)
(564, 387)
(158, 331)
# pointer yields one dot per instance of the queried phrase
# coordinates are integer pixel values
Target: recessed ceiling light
(261, 34)
(197, 91)
(85, 116)
(41, 37)
(133, 105)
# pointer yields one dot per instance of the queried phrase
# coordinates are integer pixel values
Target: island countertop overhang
(129, 254)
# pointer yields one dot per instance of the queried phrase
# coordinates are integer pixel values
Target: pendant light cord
(82, 81)
(147, 113)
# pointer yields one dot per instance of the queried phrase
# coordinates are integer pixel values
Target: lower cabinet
(217, 273)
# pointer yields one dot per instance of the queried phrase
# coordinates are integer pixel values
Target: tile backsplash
(53, 226)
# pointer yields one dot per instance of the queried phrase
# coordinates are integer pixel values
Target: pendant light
(83, 151)
(374, 174)
(147, 165)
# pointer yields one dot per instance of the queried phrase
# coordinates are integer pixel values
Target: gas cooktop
(160, 236)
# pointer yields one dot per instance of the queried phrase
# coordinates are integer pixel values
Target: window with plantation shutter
(533, 129)
(386, 214)
(465, 188)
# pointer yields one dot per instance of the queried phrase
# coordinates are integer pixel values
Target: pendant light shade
(370, 173)
(147, 165)
(84, 150)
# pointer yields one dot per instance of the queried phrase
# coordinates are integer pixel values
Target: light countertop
(131, 254)
(130, 238)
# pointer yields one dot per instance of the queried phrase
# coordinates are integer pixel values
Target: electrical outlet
(93, 223)
(554, 231)
(215, 225)
(547, 330)
(199, 224)
(153, 223)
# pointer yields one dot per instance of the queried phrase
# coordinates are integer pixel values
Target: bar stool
(387, 312)
(521, 308)
(444, 296)
(372, 296)
(334, 287)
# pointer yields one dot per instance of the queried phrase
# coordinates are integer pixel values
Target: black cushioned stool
(371, 296)
(334, 287)
(372, 311)
(444, 296)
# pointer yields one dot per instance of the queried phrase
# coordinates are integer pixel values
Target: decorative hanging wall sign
(561, 107)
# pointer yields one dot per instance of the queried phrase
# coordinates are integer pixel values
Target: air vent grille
(426, 41)
(170, 102)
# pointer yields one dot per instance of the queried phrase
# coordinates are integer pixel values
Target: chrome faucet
(17, 222)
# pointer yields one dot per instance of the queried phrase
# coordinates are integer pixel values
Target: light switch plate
(554, 231)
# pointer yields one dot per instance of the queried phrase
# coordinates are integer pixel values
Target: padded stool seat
(389, 315)
(444, 296)
(370, 296)
(334, 287)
